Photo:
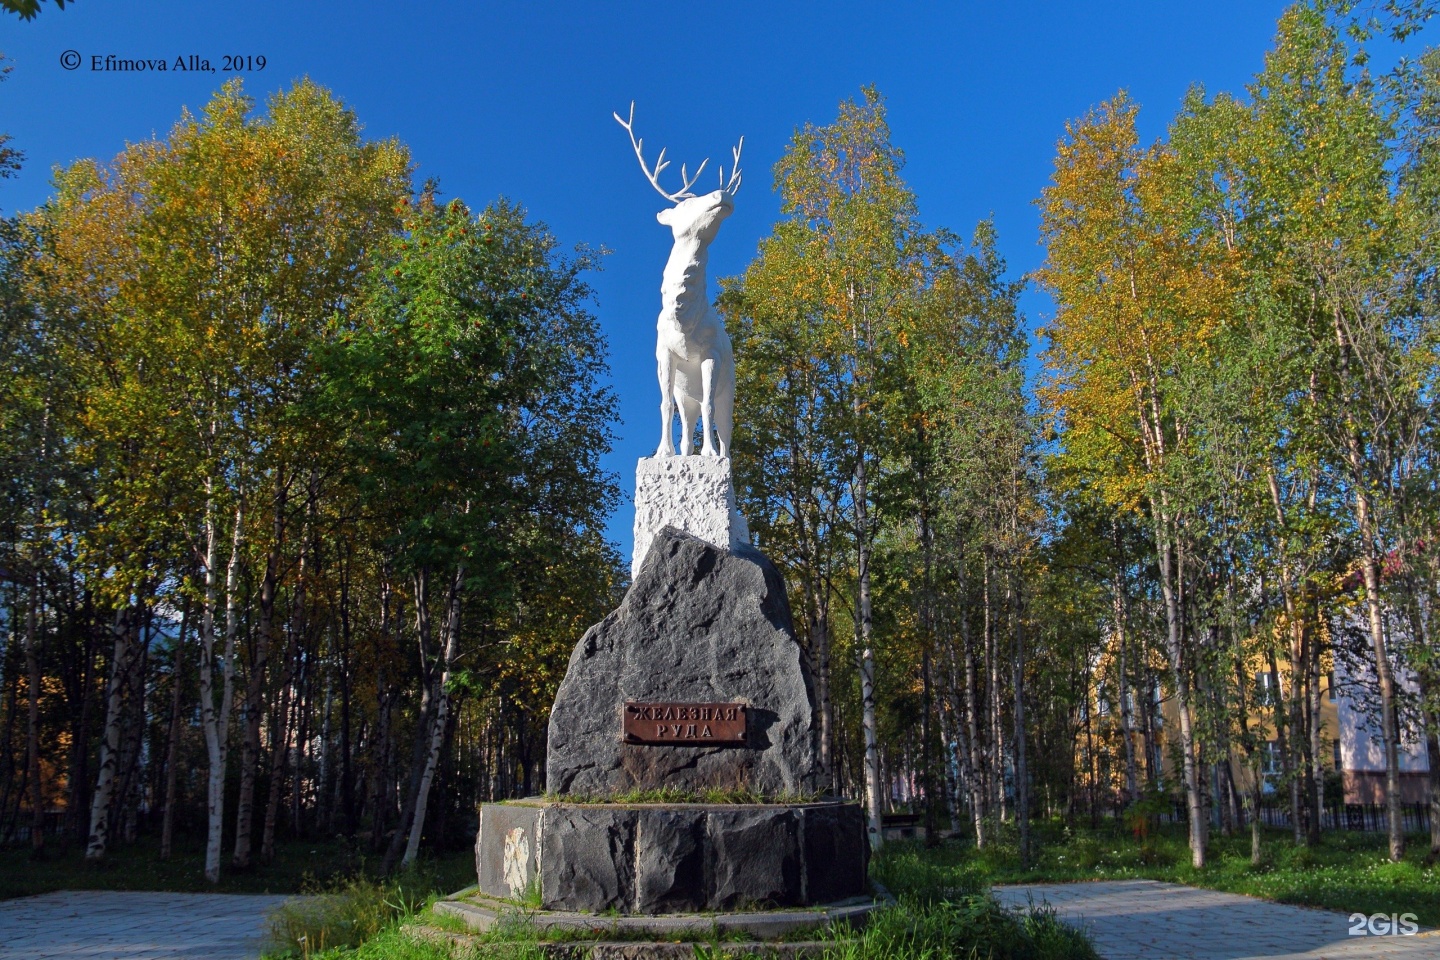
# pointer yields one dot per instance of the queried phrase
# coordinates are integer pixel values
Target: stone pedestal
(671, 858)
(696, 684)
(694, 494)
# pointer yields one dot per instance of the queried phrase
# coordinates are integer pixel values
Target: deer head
(698, 217)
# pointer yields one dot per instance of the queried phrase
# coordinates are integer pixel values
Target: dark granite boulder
(698, 625)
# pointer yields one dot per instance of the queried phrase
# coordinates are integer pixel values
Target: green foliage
(27, 9)
(470, 388)
(10, 158)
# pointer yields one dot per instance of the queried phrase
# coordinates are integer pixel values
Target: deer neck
(683, 287)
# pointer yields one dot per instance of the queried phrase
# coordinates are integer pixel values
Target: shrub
(346, 913)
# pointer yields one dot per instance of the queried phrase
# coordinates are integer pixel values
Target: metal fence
(1369, 817)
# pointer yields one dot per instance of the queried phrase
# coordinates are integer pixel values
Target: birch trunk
(172, 739)
(1127, 725)
(100, 801)
(255, 690)
(1022, 792)
(1175, 651)
(423, 729)
(442, 715)
(865, 655)
(978, 809)
(32, 738)
(214, 721)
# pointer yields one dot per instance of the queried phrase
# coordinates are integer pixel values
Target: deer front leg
(707, 407)
(666, 371)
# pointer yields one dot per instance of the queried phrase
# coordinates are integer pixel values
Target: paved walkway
(1147, 920)
(97, 925)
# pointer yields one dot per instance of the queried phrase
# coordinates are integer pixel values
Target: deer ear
(666, 215)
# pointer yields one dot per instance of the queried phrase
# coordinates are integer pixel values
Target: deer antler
(733, 187)
(661, 163)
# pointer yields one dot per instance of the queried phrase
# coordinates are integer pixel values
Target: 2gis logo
(1383, 925)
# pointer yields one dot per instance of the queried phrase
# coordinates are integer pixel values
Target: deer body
(694, 362)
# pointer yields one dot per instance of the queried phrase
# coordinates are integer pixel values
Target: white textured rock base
(693, 494)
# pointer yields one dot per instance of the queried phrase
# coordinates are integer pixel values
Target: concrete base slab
(483, 913)
(629, 949)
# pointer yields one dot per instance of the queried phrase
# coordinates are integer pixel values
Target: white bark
(99, 836)
(216, 721)
(442, 716)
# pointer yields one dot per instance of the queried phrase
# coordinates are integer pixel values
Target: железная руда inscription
(688, 723)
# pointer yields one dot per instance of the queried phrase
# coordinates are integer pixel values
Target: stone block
(835, 853)
(672, 858)
(753, 858)
(669, 860)
(588, 858)
(693, 494)
(507, 849)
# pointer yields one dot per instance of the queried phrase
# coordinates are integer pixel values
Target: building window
(1265, 687)
(1337, 755)
(1330, 682)
(1270, 759)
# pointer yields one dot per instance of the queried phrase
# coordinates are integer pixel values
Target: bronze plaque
(692, 724)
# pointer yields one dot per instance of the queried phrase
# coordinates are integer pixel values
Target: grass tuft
(346, 913)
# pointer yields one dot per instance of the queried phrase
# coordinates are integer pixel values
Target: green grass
(394, 943)
(297, 865)
(1348, 871)
(970, 928)
(347, 913)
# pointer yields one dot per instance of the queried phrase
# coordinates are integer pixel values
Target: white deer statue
(695, 363)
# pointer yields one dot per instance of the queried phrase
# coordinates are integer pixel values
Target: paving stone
(105, 925)
(1145, 919)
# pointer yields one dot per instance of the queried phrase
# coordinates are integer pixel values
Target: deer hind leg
(724, 395)
(707, 407)
(666, 372)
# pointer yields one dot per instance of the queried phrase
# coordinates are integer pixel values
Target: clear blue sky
(515, 99)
